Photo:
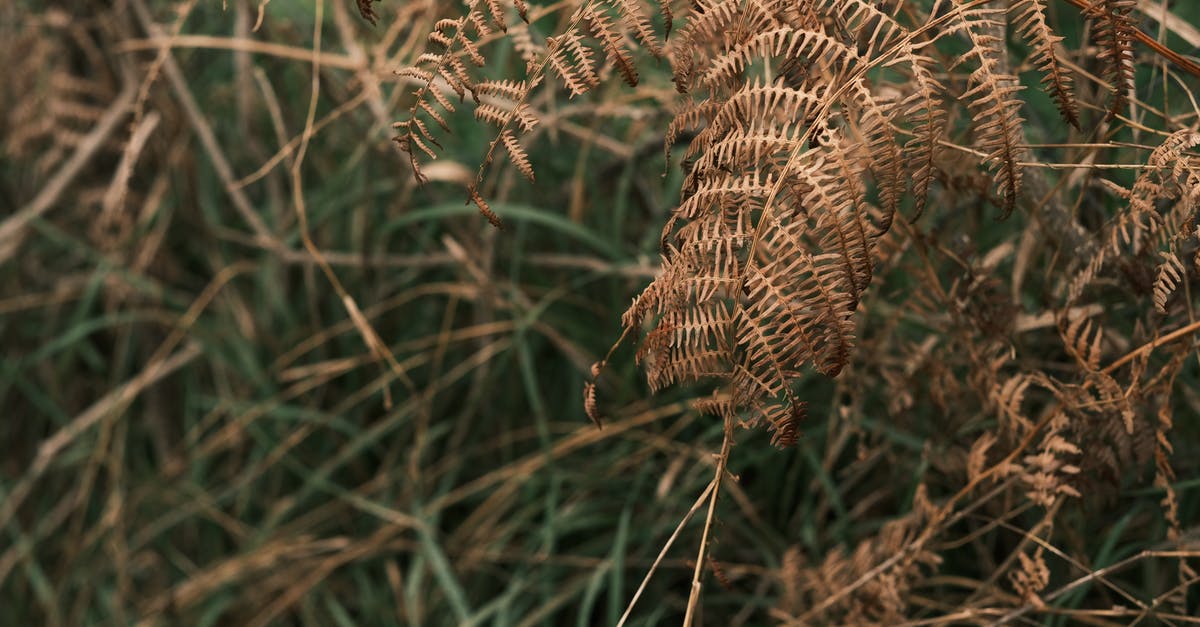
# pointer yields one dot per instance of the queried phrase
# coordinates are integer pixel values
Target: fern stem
(694, 597)
(662, 554)
(1149, 346)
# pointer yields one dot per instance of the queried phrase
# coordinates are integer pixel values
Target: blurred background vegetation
(201, 427)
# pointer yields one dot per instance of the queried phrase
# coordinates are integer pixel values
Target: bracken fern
(809, 130)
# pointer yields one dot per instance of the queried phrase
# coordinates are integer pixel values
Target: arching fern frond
(572, 60)
(990, 98)
(1030, 17)
(1172, 177)
(1115, 33)
(613, 43)
(452, 38)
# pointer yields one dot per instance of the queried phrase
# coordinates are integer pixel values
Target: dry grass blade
(705, 497)
(207, 138)
(119, 398)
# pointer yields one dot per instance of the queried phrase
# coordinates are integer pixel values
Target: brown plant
(807, 127)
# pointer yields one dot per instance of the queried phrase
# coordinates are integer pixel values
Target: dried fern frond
(773, 196)
(1032, 577)
(367, 11)
(454, 38)
(925, 110)
(613, 43)
(1007, 398)
(806, 128)
(634, 19)
(1115, 33)
(1082, 340)
(485, 210)
(511, 117)
(990, 98)
(1047, 473)
(777, 234)
(1030, 18)
(855, 588)
(571, 55)
(1172, 177)
(572, 60)
(1170, 274)
(443, 69)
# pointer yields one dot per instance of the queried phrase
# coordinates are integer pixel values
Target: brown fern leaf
(1170, 274)
(668, 17)
(635, 19)
(479, 22)
(49, 104)
(994, 110)
(785, 431)
(845, 229)
(530, 51)
(977, 458)
(866, 23)
(1031, 578)
(1141, 224)
(719, 573)
(500, 115)
(502, 103)
(742, 129)
(572, 61)
(775, 234)
(728, 69)
(1183, 183)
(1151, 185)
(711, 27)
(925, 109)
(1114, 400)
(485, 209)
(831, 239)
(1082, 340)
(1007, 398)
(1030, 17)
(1164, 472)
(826, 55)
(1116, 31)
(508, 110)
(367, 11)
(517, 154)
(874, 125)
(612, 42)
(590, 406)
(496, 12)
(691, 117)
(878, 32)
(511, 90)
(452, 37)
(1047, 473)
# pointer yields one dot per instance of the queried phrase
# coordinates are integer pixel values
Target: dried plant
(814, 137)
(967, 307)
